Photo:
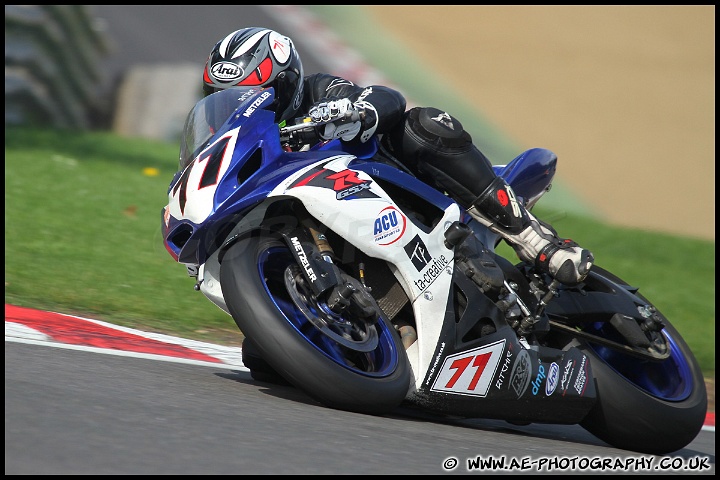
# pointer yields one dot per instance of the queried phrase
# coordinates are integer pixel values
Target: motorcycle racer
(428, 142)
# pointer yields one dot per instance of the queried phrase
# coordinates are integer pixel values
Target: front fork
(342, 292)
(326, 280)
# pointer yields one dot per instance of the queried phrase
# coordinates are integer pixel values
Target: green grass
(82, 233)
(82, 236)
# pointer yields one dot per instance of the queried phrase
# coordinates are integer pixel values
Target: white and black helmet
(261, 57)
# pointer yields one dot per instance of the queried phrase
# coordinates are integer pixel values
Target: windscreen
(207, 117)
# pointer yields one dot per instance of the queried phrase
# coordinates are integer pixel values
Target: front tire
(373, 382)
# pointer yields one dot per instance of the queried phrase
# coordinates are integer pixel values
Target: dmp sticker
(537, 383)
(389, 226)
(470, 372)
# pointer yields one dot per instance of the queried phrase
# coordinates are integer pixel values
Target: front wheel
(271, 311)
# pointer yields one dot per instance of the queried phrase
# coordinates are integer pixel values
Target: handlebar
(306, 123)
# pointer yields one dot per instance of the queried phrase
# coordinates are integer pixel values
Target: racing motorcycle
(368, 289)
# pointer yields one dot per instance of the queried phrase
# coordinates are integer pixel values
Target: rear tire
(646, 406)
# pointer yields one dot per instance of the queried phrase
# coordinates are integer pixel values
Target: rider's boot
(533, 241)
(260, 370)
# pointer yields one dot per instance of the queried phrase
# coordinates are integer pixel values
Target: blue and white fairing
(226, 167)
(231, 169)
(226, 174)
(370, 220)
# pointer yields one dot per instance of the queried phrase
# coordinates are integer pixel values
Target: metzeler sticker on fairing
(470, 372)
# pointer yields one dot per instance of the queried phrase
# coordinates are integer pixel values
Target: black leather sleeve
(384, 106)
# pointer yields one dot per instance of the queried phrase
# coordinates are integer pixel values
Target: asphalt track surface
(84, 398)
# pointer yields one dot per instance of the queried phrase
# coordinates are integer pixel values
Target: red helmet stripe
(252, 80)
(259, 75)
(206, 77)
(266, 68)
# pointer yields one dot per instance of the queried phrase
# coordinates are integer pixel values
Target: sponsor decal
(226, 71)
(303, 259)
(432, 273)
(247, 94)
(566, 376)
(430, 267)
(520, 375)
(345, 183)
(503, 369)
(581, 379)
(538, 380)
(249, 111)
(418, 253)
(513, 202)
(352, 190)
(389, 226)
(470, 372)
(345, 179)
(552, 379)
(435, 363)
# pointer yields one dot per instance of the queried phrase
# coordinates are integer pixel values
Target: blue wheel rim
(380, 362)
(669, 380)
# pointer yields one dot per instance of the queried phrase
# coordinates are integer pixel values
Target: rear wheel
(340, 361)
(650, 406)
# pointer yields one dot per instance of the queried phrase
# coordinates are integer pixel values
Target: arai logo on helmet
(226, 71)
